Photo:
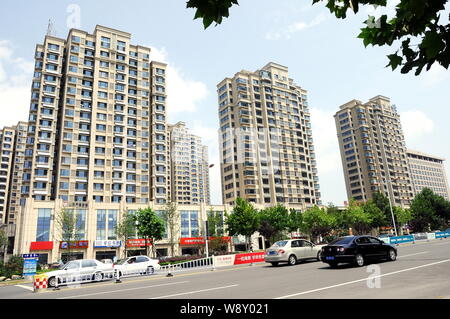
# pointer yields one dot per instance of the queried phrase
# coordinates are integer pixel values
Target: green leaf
(394, 60)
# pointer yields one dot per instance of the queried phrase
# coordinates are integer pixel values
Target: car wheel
(150, 270)
(359, 260)
(292, 260)
(318, 256)
(274, 264)
(333, 265)
(392, 255)
(98, 276)
(51, 282)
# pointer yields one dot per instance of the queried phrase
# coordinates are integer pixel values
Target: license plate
(272, 253)
(329, 258)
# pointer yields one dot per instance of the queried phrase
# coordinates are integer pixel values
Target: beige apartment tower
(12, 149)
(428, 171)
(189, 167)
(7, 138)
(373, 151)
(266, 143)
(97, 125)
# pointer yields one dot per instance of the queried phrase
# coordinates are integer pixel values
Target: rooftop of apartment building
(423, 156)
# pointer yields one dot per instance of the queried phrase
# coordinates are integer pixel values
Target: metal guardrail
(117, 274)
(79, 278)
(203, 263)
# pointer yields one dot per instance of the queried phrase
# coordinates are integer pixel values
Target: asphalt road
(422, 270)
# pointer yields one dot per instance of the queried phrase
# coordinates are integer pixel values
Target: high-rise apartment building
(373, 151)
(266, 143)
(428, 171)
(7, 138)
(14, 193)
(12, 150)
(189, 166)
(97, 125)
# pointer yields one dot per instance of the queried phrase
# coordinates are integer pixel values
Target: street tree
(3, 241)
(317, 223)
(68, 228)
(171, 217)
(356, 218)
(402, 216)
(377, 216)
(295, 220)
(242, 221)
(126, 229)
(417, 24)
(429, 211)
(150, 227)
(273, 221)
(217, 243)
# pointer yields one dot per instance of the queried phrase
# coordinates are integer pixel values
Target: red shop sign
(138, 242)
(249, 258)
(41, 245)
(201, 240)
(74, 244)
(192, 241)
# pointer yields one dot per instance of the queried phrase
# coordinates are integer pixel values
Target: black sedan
(357, 250)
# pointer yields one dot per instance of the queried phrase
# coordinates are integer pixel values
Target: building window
(43, 224)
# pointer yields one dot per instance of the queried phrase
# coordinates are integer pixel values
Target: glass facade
(43, 224)
(106, 224)
(190, 226)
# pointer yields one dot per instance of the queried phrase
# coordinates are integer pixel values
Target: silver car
(291, 251)
(79, 271)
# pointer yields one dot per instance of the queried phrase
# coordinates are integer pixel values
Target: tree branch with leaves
(417, 25)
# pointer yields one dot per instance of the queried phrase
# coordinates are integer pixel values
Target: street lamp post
(205, 216)
(390, 206)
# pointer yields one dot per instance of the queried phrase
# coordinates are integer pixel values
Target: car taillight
(281, 251)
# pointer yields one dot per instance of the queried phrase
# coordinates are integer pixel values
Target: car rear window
(280, 243)
(121, 261)
(342, 241)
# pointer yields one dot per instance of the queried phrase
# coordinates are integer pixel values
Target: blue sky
(322, 53)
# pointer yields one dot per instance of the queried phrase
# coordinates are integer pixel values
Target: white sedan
(82, 270)
(291, 251)
(137, 265)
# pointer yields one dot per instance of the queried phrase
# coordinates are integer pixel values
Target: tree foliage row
(428, 212)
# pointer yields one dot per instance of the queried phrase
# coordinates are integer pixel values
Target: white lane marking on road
(121, 290)
(193, 292)
(25, 287)
(360, 280)
(423, 252)
(441, 244)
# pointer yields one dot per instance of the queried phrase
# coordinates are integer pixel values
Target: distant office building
(428, 171)
(373, 151)
(266, 143)
(97, 124)
(189, 166)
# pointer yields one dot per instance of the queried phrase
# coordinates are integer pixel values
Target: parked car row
(357, 250)
(94, 270)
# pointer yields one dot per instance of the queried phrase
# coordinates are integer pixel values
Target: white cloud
(415, 125)
(15, 85)
(325, 141)
(435, 75)
(290, 30)
(329, 165)
(183, 93)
